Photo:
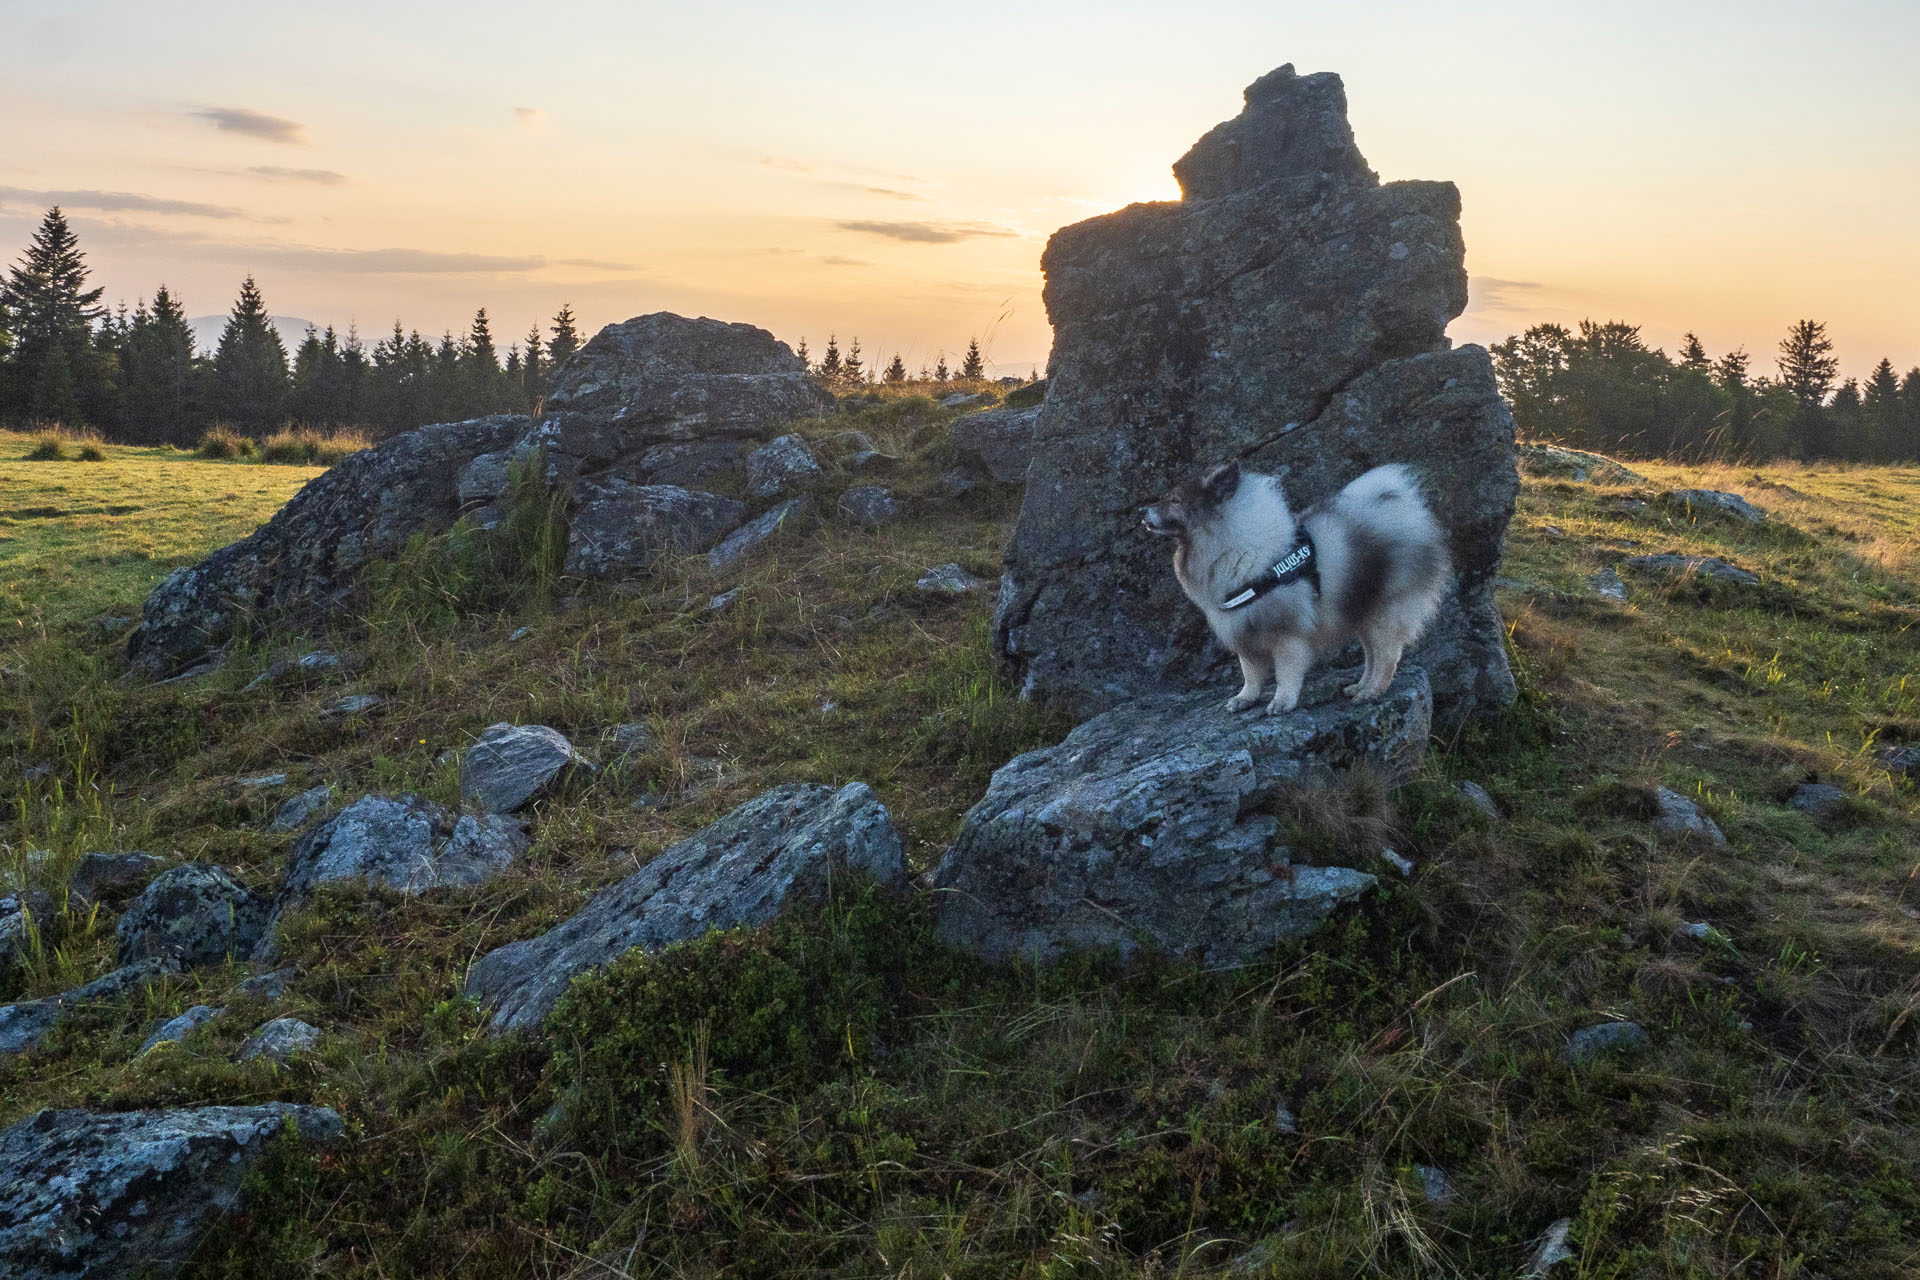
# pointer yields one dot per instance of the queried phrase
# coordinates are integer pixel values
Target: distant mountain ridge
(207, 331)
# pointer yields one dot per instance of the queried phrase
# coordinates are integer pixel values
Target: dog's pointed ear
(1222, 480)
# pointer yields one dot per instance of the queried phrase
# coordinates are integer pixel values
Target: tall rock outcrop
(1290, 311)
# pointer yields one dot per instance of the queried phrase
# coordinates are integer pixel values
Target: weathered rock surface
(692, 464)
(298, 810)
(23, 1026)
(180, 1026)
(21, 914)
(1607, 584)
(1291, 311)
(511, 764)
(1717, 501)
(113, 877)
(1590, 1042)
(758, 530)
(1817, 799)
(1555, 462)
(1147, 824)
(403, 843)
(623, 527)
(662, 378)
(742, 870)
(1000, 440)
(320, 662)
(949, 580)
(267, 986)
(195, 914)
(1900, 761)
(781, 466)
(1677, 817)
(1712, 568)
(279, 1040)
(90, 1194)
(871, 505)
(1476, 795)
(303, 561)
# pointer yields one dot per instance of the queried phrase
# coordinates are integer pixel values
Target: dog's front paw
(1282, 703)
(1357, 691)
(1240, 702)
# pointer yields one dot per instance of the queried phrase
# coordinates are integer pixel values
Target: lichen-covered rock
(742, 870)
(402, 843)
(871, 505)
(195, 914)
(511, 764)
(1900, 761)
(1607, 584)
(1554, 462)
(1711, 568)
(22, 914)
(781, 466)
(949, 580)
(298, 810)
(1590, 1042)
(623, 527)
(23, 1026)
(1291, 312)
(1717, 501)
(279, 1040)
(1147, 824)
(304, 560)
(1817, 799)
(1001, 440)
(693, 464)
(88, 1194)
(758, 530)
(180, 1026)
(319, 662)
(664, 378)
(113, 877)
(1677, 817)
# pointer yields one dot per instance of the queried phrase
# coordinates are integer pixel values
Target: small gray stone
(25, 1025)
(279, 1040)
(1397, 861)
(195, 914)
(1711, 568)
(1817, 799)
(298, 810)
(1001, 440)
(113, 877)
(633, 738)
(519, 634)
(1901, 762)
(1608, 585)
(179, 1026)
(959, 481)
(1284, 1121)
(781, 465)
(722, 600)
(1553, 462)
(758, 530)
(1700, 931)
(1715, 500)
(1677, 817)
(1589, 1042)
(871, 505)
(402, 843)
(511, 764)
(743, 870)
(960, 400)
(89, 1194)
(318, 662)
(1437, 1187)
(267, 986)
(353, 704)
(1476, 795)
(22, 914)
(949, 580)
(261, 781)
(867, 459)
(1550, 1251)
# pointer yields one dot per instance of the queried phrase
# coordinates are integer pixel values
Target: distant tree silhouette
(896, 370)
(830, 364)
(250, 366)
(163, 400)
(852, 371)
(533, 369)
(1807, 368)
(940, 373)
(565, 341)
(974, 367)
(804, 354)
(50, 318)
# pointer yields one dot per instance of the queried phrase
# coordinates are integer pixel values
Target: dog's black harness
(1298, 564)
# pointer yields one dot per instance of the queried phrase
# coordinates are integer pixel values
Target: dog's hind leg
(1384, 647)
(1358, 687)
(1291, 658)
(1253, 680)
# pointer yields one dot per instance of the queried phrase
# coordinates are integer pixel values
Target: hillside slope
(839, 1094)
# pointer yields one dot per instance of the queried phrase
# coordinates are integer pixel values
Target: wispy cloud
(837, 260)
(926, 232)
(1491, 293)
(117, 202)
(526, 115)
(254, 124)
(255, 254)
(279, 173)
(594, 264)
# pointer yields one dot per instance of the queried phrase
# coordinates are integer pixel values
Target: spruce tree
(566, 339)
(533, 371)
(51, 314)
(250, 366)
(1882, 411)
(852, 370)
(1807, 368)
(484, 390)
(1846, 423)
(161, 375)
(829, 370)
(896, 370)
(1693, 356)
(806, 362)
(940, 373)
(974, 367)
(1907, 447)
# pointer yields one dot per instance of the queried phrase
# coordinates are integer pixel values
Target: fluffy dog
(1367, 564)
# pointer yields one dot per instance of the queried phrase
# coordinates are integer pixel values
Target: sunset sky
(893, 171)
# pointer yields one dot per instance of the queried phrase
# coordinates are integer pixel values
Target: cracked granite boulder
(87, 1193)
(1153, 823)
(1289, 311)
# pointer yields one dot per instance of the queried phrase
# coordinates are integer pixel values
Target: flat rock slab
(180, 1026)
(279, 1040)
(89, 1194)
(1554, 462)
(113, 877)
(1717, 501)
(871, 505)
(1590, 1042)
(949, 580)
(781, 466)
(1711, 568)
(623, 527)
(1147, 824)
(25, 1025)
(758, 530)
(511, 764)
(403, 843)
(298, 810)
(1677, 817)
(741, 871)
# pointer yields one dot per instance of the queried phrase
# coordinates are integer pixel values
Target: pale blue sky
(893, 172)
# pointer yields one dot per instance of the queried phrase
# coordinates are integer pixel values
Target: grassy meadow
(839, 1095)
